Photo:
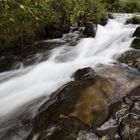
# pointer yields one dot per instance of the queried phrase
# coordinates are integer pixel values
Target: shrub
(23, 21)
(127, 6)
(131, 6)
(91, 10)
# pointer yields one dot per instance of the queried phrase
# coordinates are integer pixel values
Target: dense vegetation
(24, 21)
(127, 6)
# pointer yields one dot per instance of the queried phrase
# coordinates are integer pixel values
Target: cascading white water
(46, 77)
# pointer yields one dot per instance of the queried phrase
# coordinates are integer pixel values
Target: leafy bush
(131, 6)
(23, 21)
(127, 6)
(91, 10)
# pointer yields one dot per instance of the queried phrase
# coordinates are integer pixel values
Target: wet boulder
(136, 43)
(72, 38)
(137, 32)
(133, 20)
(90, 29)
(84, 74)
(76, 106)
(123, 119)
(131, 58)
(129, 127)
(64, 129)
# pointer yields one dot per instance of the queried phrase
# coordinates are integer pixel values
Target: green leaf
(22, 7)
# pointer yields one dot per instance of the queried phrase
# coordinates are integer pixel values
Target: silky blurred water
(18, 88)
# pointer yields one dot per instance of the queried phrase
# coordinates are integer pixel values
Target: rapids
(20, 87)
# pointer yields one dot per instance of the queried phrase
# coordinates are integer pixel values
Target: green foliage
(89, 10)
(131, 6)
(127, 6)
(23, 21)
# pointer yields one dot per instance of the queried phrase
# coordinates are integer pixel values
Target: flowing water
(23, 90)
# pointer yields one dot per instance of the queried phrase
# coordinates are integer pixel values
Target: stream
(24, 90)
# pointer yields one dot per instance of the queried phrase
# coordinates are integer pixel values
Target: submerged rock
(84, 74)
(137, 32)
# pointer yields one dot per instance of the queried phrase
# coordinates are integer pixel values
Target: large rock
(72, 38)
(137, 32)
(90, 29)
(129, 126)
(131, 58)
(136, 43)
(123, 119)
(84, 74)
(73, 108)
(133, 20)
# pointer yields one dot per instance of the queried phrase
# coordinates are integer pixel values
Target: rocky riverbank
(91, 107)
(132, 57)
